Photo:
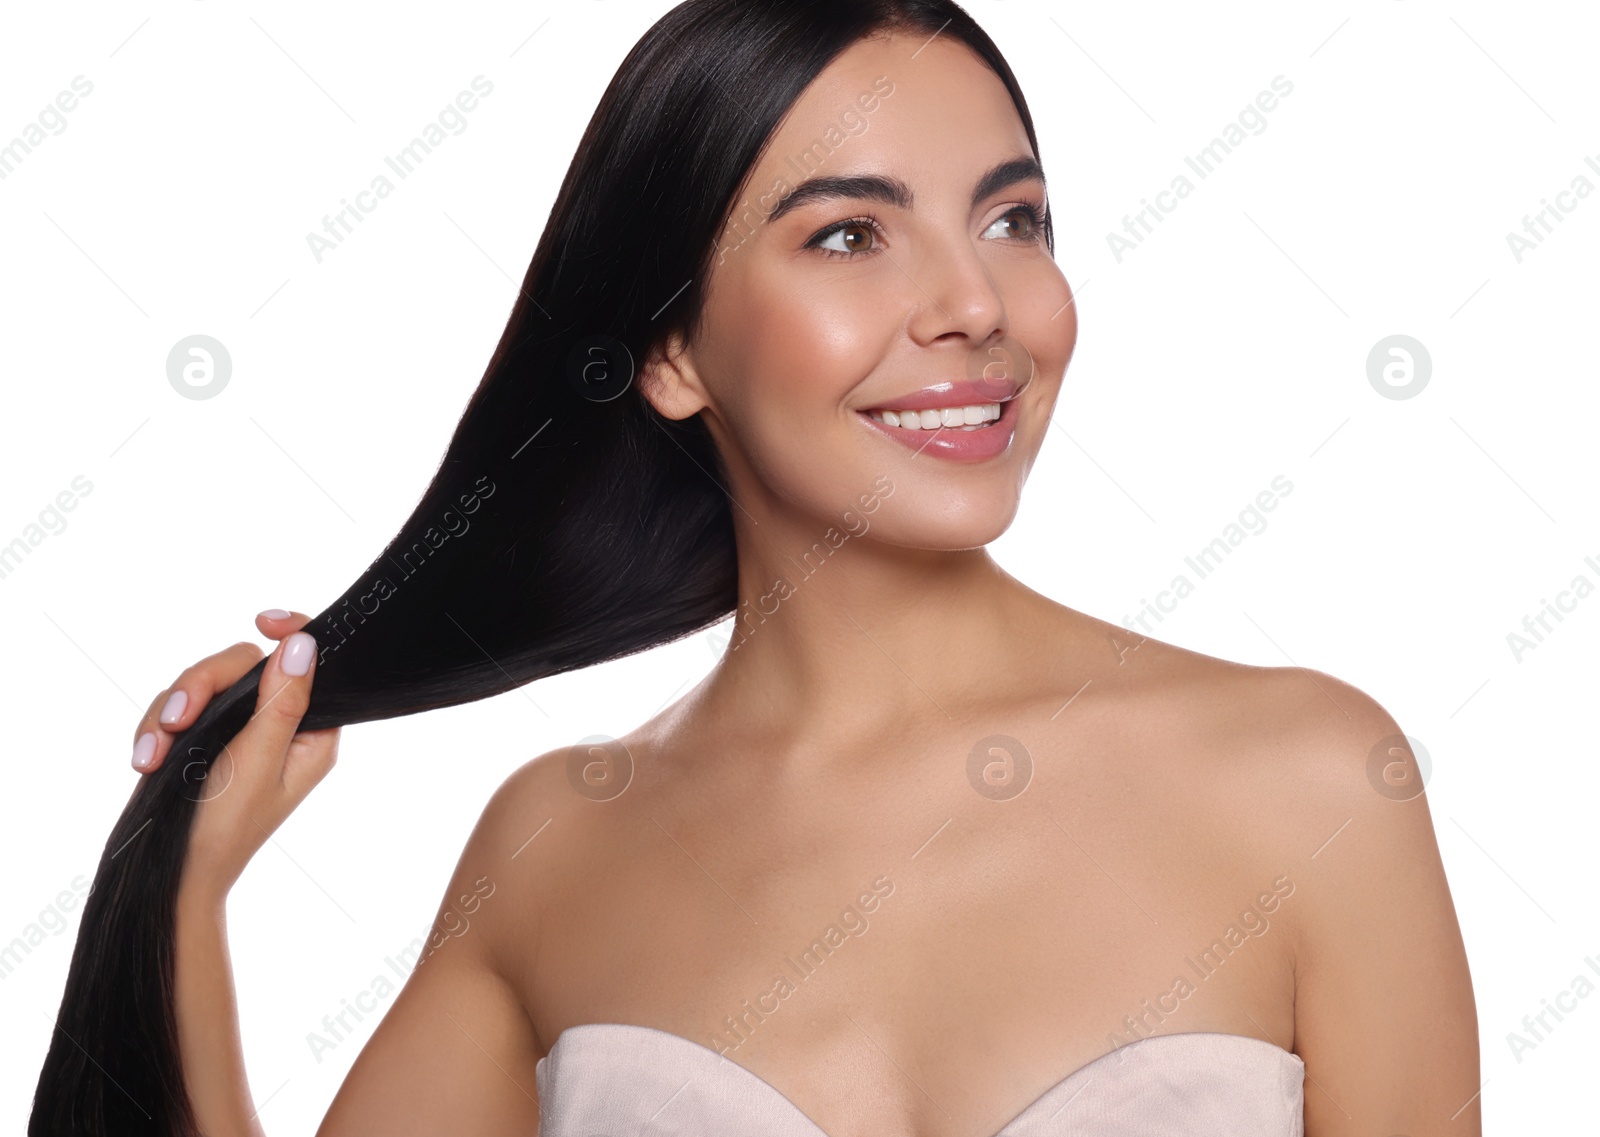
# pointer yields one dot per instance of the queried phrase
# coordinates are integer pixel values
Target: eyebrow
(893, 191)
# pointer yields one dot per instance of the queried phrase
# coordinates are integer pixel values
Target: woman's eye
(849, 238)
(1024, 218)
(859, 236)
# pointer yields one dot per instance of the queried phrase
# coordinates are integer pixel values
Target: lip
(957, 393)
(948, 443)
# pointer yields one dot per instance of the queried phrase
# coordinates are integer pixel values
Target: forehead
(906, 104)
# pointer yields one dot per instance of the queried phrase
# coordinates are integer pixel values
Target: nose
(955, 298)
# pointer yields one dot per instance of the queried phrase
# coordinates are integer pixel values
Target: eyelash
(1035, 214)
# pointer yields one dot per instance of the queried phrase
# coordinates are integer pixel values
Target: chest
(985, 945)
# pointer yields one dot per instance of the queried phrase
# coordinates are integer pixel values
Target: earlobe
(668, 379)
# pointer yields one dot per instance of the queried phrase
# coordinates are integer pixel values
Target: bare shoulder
(1278, 754)
(1287, 769)
(1317, 774)
(1329, 758)
(1304, 735)
(458, 1048)
(533, 822)
(536, 789)
(551, 828)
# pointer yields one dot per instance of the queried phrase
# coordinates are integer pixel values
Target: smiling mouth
(979, 416)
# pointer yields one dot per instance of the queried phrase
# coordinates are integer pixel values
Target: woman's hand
(263, 773)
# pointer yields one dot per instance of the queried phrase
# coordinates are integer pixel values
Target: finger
(281, 700)
(312, 754)
(175, 709)
(276, 623)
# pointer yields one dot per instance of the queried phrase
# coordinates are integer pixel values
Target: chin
(937, 526)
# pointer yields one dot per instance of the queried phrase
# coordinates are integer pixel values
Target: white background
(1228, 348)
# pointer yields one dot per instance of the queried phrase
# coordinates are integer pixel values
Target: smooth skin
(1169, 791)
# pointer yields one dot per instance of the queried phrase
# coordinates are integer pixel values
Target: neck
(880, 636)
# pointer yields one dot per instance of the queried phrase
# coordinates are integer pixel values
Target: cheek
(788, 354)
(1045, 317)
(800, 350)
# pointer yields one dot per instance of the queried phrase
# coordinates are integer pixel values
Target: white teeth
(971, 417)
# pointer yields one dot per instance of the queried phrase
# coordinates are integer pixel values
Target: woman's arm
(1384, 1013)
(263, 774)
(208, 1021)
(454, 1054)
(456, 1051)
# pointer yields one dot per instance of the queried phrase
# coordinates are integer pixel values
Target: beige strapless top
(609, 1079)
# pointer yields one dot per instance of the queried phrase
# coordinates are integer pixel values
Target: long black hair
(568, 523)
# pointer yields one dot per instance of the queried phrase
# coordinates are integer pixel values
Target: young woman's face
(827, 308)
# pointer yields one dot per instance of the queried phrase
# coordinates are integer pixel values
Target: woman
(926, 853)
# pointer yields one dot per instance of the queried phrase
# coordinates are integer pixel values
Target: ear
(669, 380)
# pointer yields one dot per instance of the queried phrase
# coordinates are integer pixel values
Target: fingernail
(275, 614)
(297, 652)
(144, 750)
(173, 711)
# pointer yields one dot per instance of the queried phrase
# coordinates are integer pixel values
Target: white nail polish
(173, 711)
(144, 750)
